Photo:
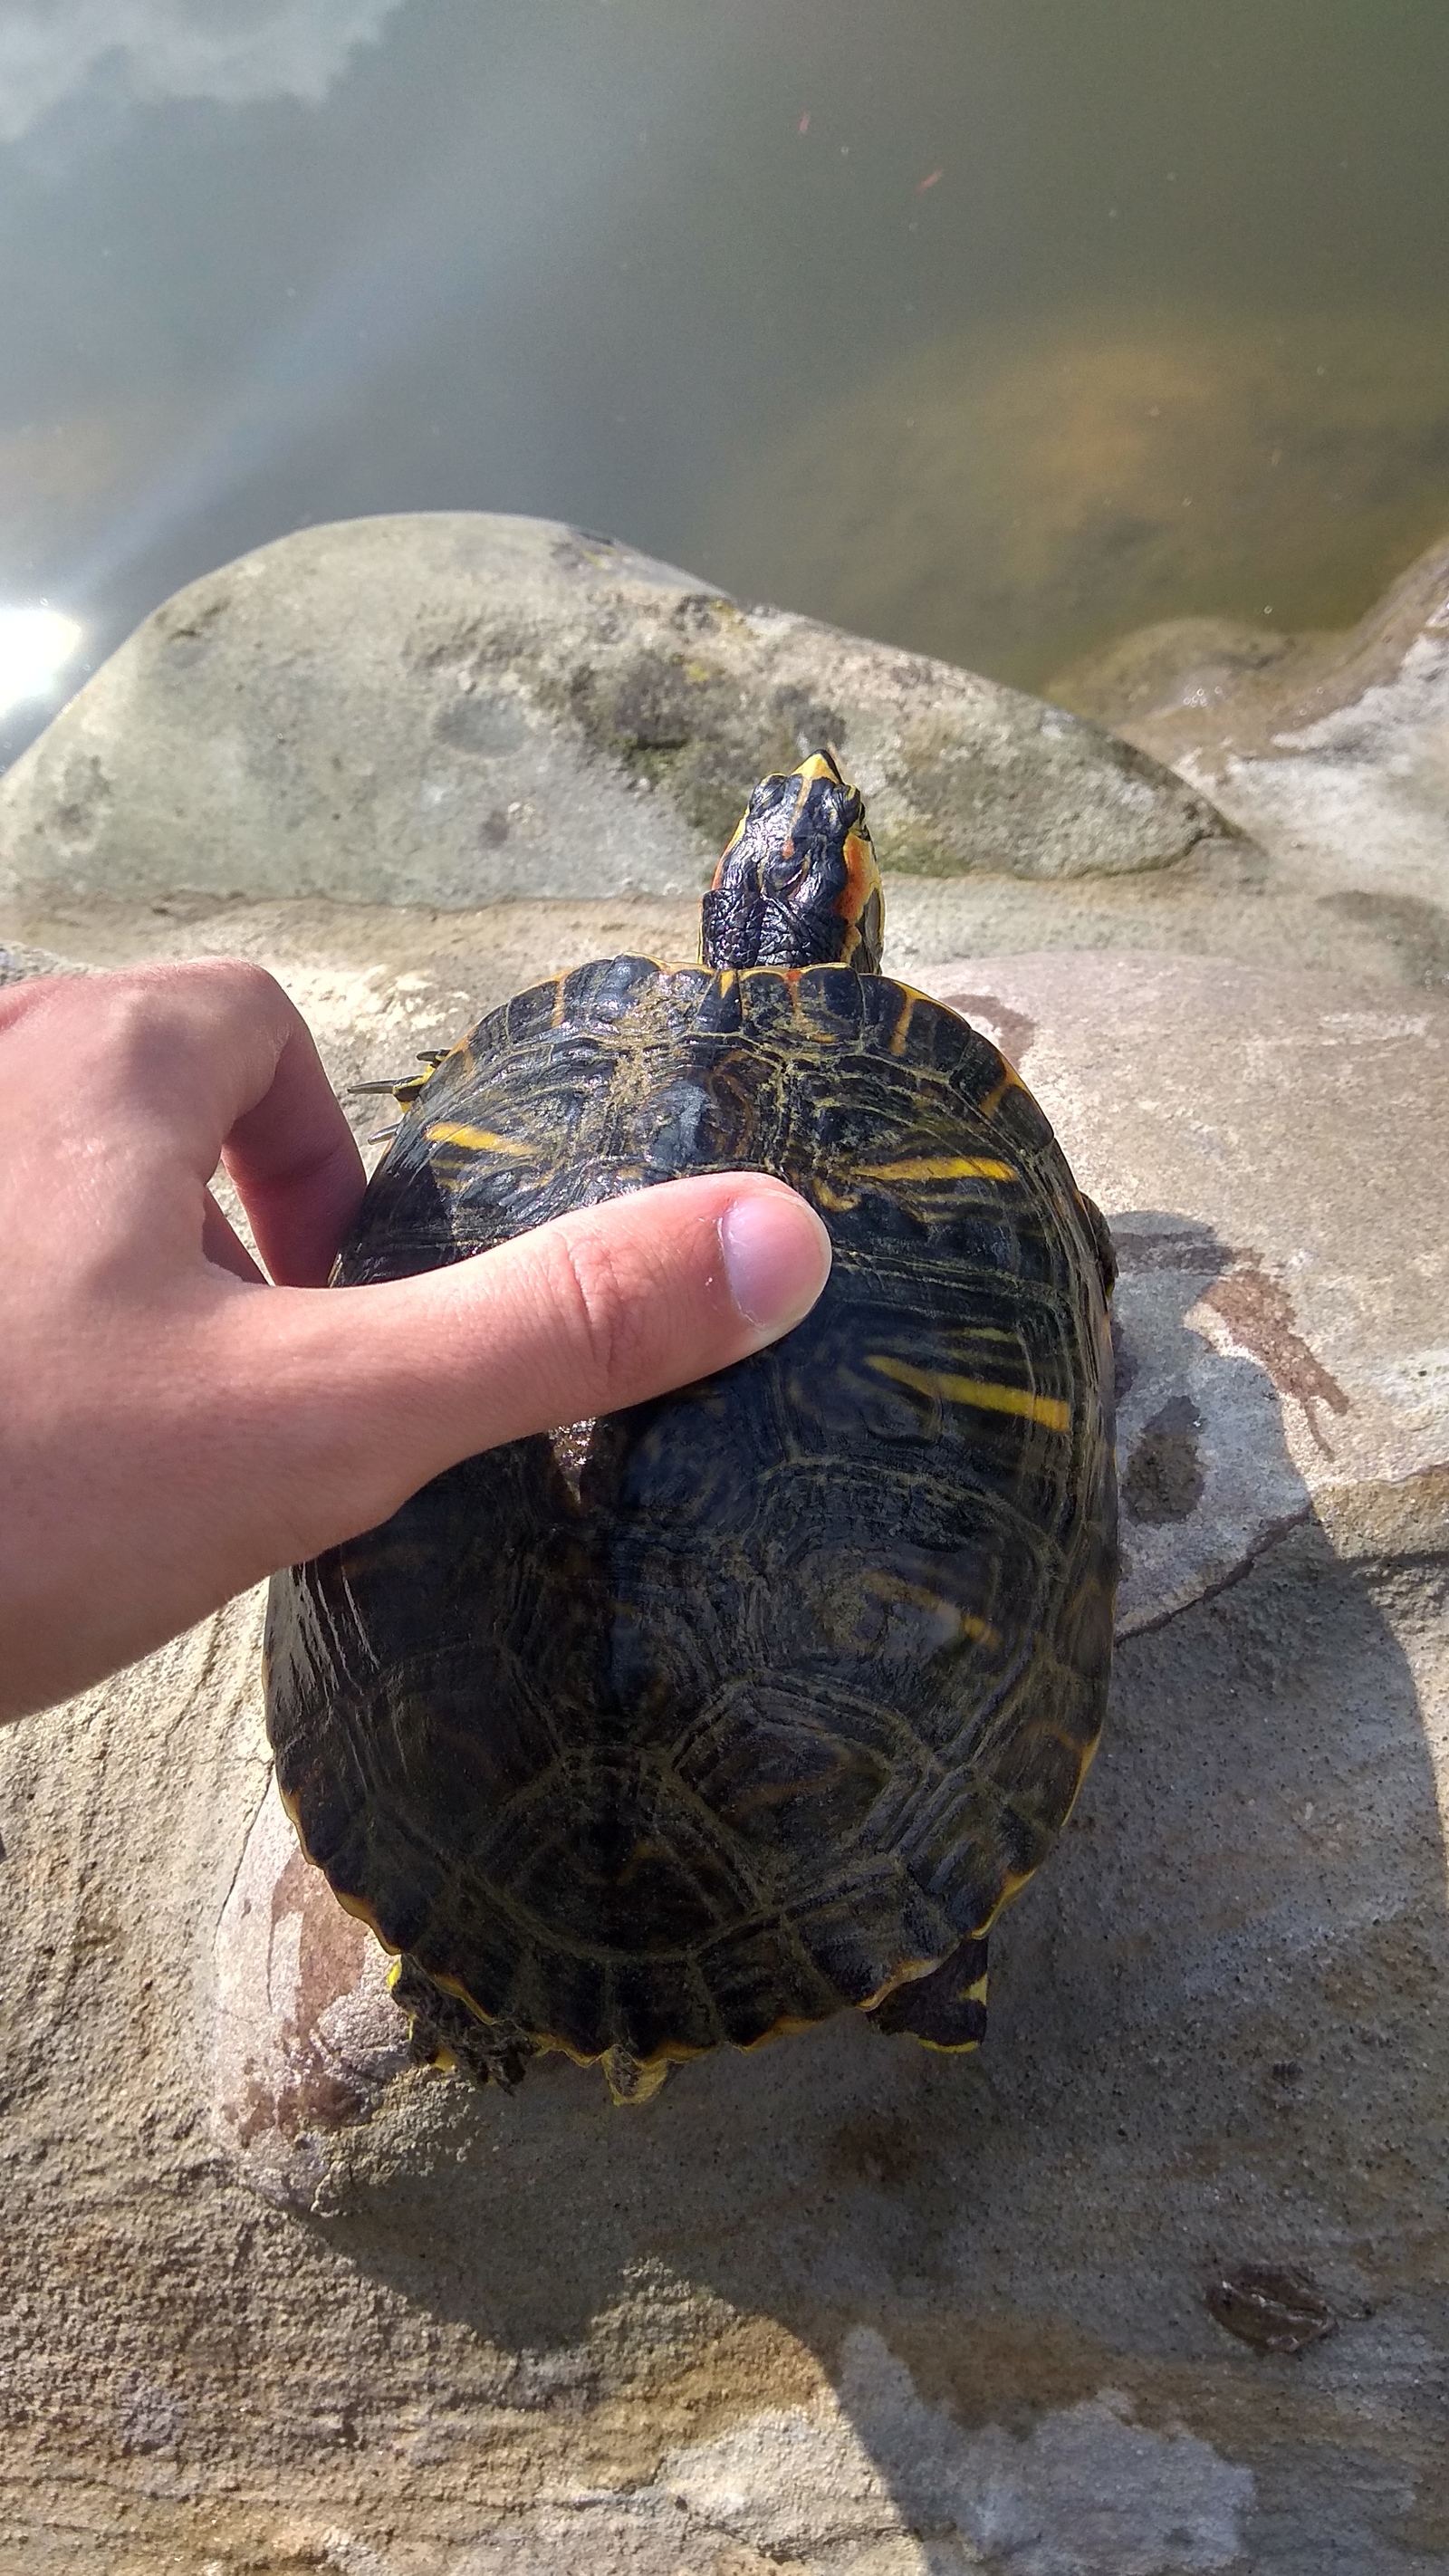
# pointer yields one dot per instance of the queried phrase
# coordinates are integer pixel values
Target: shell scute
(702, 1722)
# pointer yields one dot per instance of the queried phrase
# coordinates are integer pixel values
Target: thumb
(360, 1395)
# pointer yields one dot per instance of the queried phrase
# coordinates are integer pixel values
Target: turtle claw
(404, 1091)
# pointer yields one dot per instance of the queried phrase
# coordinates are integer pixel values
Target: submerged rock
(1331, 750)
(1013, 495)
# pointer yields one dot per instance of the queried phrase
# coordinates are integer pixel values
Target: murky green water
(991, 326)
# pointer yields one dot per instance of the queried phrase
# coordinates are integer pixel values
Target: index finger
(295, 1160)
(227, 1069)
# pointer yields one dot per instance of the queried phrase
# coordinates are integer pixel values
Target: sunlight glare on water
(35, 646)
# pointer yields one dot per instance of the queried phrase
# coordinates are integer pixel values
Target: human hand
(172, 1426)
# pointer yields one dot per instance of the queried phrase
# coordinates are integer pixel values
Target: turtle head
(798, 884)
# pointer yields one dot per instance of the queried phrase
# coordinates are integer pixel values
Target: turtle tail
(946, 2010)
(443, 2032)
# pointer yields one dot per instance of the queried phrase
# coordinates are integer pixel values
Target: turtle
(696, 1724)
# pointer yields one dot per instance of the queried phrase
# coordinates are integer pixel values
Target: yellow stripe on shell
(957, 2047)
(639, 2083)
(940, 1167)
(903, 1022)
(1010, 1081)
(984, 1393)
(353, 1905)
(474, 1140)
(891, 1587)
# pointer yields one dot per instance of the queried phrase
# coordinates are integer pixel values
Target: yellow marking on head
(818, 765)
(902, 1026)
(984, 1393)
(729, 845)
(841, 1201)
(474, 1140)
(940, 1167)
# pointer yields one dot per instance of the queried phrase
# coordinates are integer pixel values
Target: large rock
(290, 760)
(454, 709)
(842, 2307)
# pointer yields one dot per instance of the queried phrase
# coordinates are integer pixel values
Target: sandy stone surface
(843, 2308)
(457, 709)
(1158, 2284)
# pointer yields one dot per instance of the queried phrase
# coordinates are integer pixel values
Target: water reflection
(159, 49)
(863, 310)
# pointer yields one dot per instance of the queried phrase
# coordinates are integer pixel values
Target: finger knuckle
(606, 1312)
(146, 1020)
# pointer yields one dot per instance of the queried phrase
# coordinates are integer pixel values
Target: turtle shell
(703, 1721)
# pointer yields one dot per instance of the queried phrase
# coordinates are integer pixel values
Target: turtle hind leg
(946, 2010)
(443, 2032)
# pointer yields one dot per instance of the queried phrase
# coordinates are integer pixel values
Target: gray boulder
(452, 710)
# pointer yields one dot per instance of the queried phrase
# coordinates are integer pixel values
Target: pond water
(994, 327)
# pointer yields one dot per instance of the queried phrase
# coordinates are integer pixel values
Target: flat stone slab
(1153, 2286)
(458, 708)
(1268, 1151)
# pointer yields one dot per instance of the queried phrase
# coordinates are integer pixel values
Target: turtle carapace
(700, 1723)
